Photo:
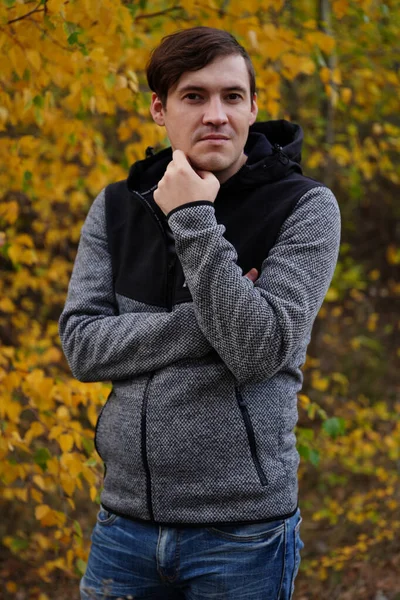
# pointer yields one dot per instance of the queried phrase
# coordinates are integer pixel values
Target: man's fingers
(252, 275)
(179, 157)
(205, 175)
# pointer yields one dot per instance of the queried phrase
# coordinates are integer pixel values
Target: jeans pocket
(248, 532)
(297, 547)
(105, 517)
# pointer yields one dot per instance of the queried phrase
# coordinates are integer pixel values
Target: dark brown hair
(191, 50)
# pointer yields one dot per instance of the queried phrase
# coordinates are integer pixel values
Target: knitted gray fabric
(237, 342)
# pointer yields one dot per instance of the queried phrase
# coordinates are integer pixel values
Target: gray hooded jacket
(205, 365)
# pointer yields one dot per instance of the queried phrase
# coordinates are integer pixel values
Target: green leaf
(38, 101)
(334, 427)
(69, 27)
(27, 181)
(306, 433)
(73, 38)
(314, 457)
(78, 528)
(309, 454)
(81, 566)
(18, 544)
(88, 445)
(41, 456)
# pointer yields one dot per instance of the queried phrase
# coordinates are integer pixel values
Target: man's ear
(254, 110)
(157, 110)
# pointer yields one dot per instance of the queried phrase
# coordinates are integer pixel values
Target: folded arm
(255, 328)
(101, 344)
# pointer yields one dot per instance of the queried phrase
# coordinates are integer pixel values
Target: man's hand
(182, 184)
(252, 275)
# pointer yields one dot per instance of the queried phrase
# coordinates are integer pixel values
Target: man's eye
(192, 96)
(234, 97)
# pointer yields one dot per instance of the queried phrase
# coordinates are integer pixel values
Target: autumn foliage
(73, 117)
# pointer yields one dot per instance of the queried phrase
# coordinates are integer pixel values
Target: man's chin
(213, 163)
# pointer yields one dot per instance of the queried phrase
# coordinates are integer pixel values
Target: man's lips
(214, 136)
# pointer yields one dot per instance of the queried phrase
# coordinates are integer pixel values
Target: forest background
(73, 117)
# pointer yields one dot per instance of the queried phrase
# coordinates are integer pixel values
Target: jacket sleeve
(102, 345)
(255, 328)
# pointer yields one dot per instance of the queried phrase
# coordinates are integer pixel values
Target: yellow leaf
(75, 466)
(36, 496)
(325, 42)
(21, 494)
(372, 321)
(63, 413)
(93, 493)
(340, 8)
(346, 95)
(41, 511)
(332, 295)
(34, 59)
(13, 409)
(325, 74)
(304, 400)
(35, 430)
(18, 60)
(319, 383)
(7, 305)
(374, 274)
(52, 355)
(293, 65)
(342, 155)
(39, 481)
(68, 483)
(66, 442)
(9, 211)
(55, 432)
(92, 415)
(393, 255)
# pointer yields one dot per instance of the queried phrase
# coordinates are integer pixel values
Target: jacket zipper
(250, 436)
(170, 250)
(169, 291)
(144, 449)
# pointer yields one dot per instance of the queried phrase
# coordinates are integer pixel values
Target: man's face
(208, 115)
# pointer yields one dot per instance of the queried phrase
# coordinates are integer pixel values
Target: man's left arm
(255, 328)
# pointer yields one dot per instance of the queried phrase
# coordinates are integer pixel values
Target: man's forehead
(225, 73)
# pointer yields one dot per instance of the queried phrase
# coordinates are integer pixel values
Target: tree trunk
(327, 104)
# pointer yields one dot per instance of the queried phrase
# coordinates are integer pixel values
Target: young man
(195, 288)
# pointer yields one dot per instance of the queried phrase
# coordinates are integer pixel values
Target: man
(195, 288)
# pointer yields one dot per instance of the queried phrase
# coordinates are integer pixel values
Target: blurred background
(73, 117)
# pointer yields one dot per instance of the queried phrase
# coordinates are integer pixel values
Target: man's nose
(215, 112)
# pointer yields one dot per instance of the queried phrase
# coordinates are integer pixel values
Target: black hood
(273, 150)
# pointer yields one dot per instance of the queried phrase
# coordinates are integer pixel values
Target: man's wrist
(189, 205)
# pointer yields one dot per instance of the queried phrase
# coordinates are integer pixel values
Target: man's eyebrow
(199, 88)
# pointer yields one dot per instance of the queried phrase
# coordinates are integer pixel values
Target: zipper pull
(149, 151)
(282, 157)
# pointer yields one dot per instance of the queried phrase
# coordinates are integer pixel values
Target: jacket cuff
(190, 204)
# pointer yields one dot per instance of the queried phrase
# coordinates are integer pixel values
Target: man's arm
(255, 328)
(100, 344)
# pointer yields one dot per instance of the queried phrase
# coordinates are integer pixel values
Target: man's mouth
(214, 137)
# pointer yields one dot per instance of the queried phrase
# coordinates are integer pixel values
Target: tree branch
(159, 13)
(28, 14)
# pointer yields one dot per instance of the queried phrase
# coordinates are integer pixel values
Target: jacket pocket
(250, 436)
(96, 430)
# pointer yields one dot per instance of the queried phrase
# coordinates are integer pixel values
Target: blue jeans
(136, 560)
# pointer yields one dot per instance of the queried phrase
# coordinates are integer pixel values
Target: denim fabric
(133, 560)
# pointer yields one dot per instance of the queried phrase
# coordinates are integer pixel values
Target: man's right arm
(102, 345)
